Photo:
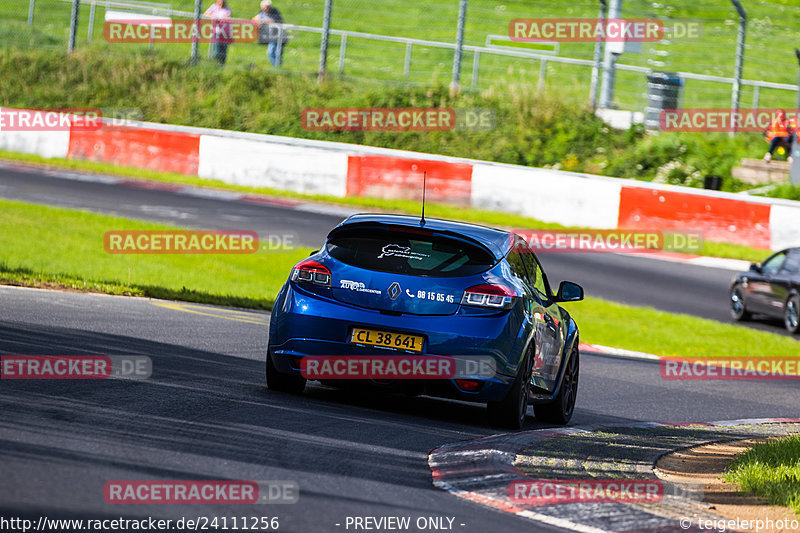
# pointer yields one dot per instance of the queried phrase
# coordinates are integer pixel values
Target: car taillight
(309, 271)
(489, 295)
(468, 385)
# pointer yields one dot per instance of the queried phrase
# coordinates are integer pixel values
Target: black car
(770, 288)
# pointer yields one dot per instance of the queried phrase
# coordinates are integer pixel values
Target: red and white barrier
(784, 225)
(385, 176)
(165, 151)
(43, 143)
(720, 218)
(275, 165)
(337, 169)
(562, 197)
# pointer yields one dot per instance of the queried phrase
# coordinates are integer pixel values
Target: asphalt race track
(205, 414)
(675, 287)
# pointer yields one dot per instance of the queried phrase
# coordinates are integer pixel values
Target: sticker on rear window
(357, 286)
(401, 251)
(432, 296)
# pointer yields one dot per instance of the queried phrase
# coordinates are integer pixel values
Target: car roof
(497, 241)
(791, 250)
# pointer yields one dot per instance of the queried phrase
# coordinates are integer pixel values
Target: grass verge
(531, 128)
(51, 247)
(770, 470)
(479, 216)
(671, 334)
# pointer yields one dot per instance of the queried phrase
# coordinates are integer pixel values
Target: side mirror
(569, 292)
(755, 267)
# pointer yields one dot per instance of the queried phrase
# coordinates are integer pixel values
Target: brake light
(468, 385)
(489, 295)
(309, 271)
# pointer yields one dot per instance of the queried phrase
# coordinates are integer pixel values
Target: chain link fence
(400, 41)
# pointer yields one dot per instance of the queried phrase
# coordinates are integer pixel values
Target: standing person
(271, 15)
(780, 133)
(219, 12)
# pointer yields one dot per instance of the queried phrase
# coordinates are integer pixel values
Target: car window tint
(411, 253)
(792, 264)
(517, 266)
(773, 264)
(535, 271)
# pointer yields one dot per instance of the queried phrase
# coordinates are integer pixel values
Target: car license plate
(387, 339)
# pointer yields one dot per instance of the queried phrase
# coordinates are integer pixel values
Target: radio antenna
(424, 179)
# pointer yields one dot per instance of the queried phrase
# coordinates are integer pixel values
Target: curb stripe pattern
(480, 470)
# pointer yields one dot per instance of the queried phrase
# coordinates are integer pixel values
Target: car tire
(559, 411)
(510, 413)
(283, 382)
(791, 314)
(739, 310)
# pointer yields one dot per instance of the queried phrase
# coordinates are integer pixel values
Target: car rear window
(416, 253)
(792, 264)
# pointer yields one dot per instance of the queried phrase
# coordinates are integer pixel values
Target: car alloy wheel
(738, 308)
(510, 413)
(791, 314)
(522, 397)
(560, 410)
(570, 386)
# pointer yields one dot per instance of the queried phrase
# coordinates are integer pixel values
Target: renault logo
(394, 290)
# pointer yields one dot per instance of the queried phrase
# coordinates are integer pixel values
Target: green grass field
(771, 470)
(479, 216)
(531, 129)
(713, 53)
(51, 247)
(672, 334)
(44, 246)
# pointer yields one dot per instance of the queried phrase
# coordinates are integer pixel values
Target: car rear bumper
(305, 324)
(287, 360)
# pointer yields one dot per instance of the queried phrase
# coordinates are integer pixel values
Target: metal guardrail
(492, 39)
(154, 8)
(149, 8)
(544, 56)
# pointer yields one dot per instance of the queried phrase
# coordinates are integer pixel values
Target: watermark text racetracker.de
(168, 492)
(614, 30)
(196, 242)
(611, 241)
(51, 119)
(75, 367)
(105, 525)
(730, 368)
(585, 30)
(69, 118)
(546, 492)
(166, 30)
(721, 119)
(397, 119)
(391, 367)
(556, 491)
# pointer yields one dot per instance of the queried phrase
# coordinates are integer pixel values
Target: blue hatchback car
(437, 288)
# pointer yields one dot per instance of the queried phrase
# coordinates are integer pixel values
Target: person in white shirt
(219, 12)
